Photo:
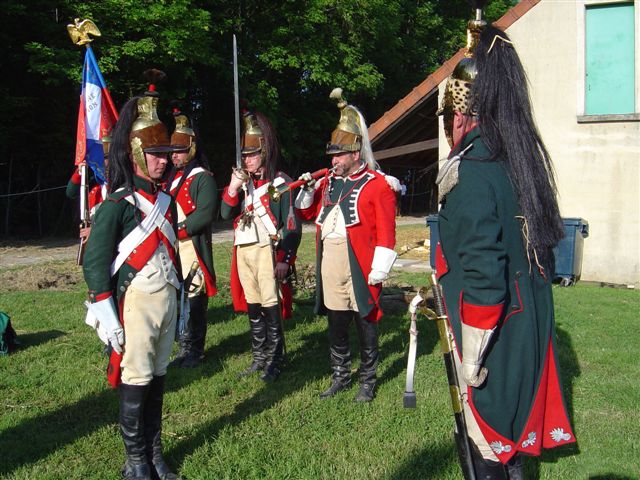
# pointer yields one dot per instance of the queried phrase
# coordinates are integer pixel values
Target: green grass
(58, 417)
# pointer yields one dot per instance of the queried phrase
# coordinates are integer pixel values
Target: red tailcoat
(369, 212)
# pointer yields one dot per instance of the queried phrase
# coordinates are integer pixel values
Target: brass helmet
(457, 93)
(183, 137)
(252, 140)
(148, 133)
(347, 135)
(351, 134)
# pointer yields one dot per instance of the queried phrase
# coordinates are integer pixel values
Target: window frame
(581, 17)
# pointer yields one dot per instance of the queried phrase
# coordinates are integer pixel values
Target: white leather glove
(475, 342)
(376, 276)
(383, 259)
(305, 197)
(238, 177)
(309, 182)
(103, 317)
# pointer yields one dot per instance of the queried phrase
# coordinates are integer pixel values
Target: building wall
(597, 164)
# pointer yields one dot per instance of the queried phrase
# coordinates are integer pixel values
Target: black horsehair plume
(271, 147)
(155, 76)
(120, 168)
(506, 122)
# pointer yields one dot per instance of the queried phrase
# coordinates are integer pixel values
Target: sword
(236, 99)
(448, 351)
(409, 397)
(84, 211)
(185, 309)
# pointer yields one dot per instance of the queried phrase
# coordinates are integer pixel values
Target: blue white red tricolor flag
(96, 117)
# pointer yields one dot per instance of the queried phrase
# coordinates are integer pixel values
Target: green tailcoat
(488, 281)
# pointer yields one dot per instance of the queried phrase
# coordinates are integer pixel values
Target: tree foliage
(291, 54)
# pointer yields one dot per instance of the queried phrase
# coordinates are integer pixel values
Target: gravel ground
(16, 253)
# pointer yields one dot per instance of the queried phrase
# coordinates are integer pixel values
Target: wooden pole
(7, 215)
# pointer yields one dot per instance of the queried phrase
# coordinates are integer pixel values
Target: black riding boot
(153, 429)
(132, 402)
(340, 356)
(515, 469)
(258, 326)
(275, 343)
(486, 469)
(368, 338)
(196, 333)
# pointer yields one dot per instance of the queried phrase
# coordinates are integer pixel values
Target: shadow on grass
(303, 368)
(53, 430)
(428, 463)
(610, 476)
(28, 340)
(398, 342)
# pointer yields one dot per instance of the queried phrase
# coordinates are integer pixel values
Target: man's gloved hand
(309, 182)
(383, 259)
(475, 342)
(106, 322)
(238, 178)
(376, 276)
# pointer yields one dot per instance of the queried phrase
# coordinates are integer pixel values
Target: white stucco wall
(597, 164)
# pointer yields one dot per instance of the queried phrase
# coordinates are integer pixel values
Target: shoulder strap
(155, 218)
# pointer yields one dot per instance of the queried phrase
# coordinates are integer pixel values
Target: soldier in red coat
(354, 211)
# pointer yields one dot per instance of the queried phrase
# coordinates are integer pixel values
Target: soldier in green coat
(266, 238)
(133, 275)
(498, 224)
(195, 192)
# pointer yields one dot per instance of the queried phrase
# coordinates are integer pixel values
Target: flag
(96, 117)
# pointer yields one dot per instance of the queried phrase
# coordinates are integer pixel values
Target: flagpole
(80, 32)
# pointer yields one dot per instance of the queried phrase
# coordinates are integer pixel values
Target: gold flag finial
(79, 31)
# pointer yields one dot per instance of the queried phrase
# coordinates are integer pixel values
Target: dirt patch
(412, 242)
(64, 276)
(15, 253)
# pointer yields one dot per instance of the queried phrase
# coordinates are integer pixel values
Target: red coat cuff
(228, 199)
(96, 297)
(286, 257)
(76, 178)
(182, 231)
(481, 316)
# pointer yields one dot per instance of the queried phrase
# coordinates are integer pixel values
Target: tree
(292, 53)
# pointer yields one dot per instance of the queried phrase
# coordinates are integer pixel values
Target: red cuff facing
(480, 316)
(97, 297)
(228, 199)
(76, 178)
(286, 257)
(182, 232)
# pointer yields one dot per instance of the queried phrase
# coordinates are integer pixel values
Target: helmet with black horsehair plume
(259, 136)
(252, 140)
(457, 93)
(148, 133)
(183, 137)
(351, 134)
